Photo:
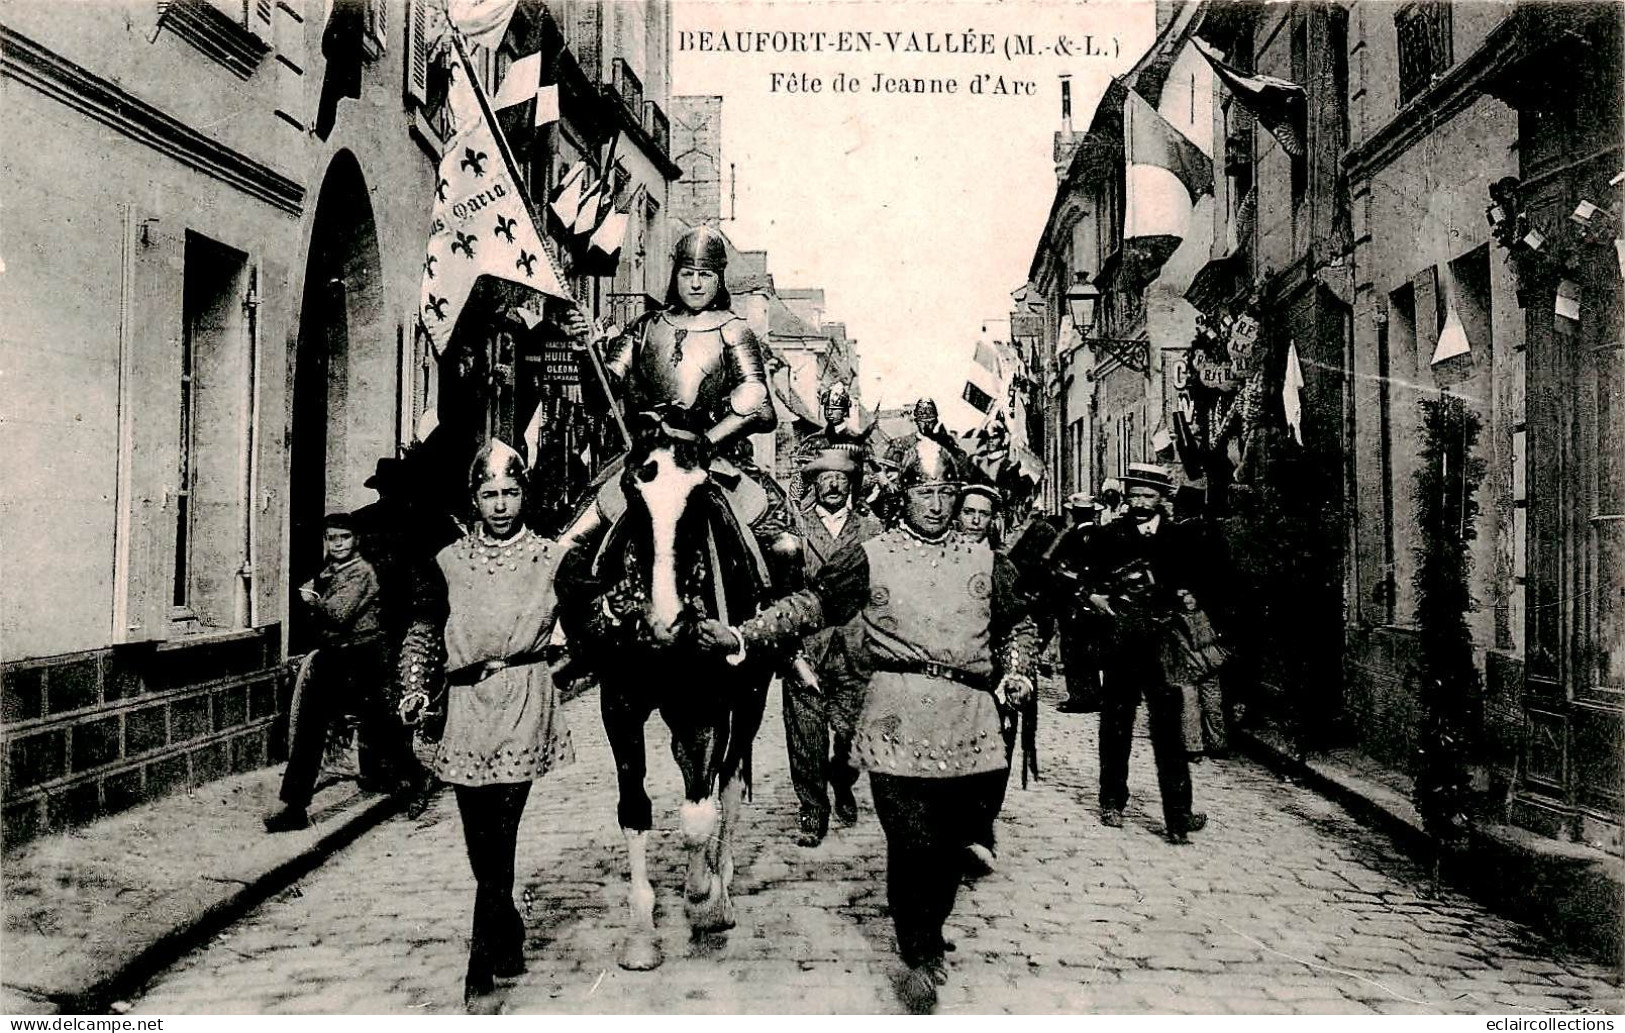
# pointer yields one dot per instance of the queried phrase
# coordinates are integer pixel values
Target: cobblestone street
(1283, 905)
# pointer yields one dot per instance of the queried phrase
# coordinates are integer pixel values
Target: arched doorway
(341, 316)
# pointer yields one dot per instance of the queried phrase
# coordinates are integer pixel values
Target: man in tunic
(946, 643)
(813, 711)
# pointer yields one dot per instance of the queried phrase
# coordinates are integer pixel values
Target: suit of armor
(707, 362)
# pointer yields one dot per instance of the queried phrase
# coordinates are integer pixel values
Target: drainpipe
(248, 580)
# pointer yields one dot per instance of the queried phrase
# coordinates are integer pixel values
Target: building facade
(186, 400)
(1445, 230)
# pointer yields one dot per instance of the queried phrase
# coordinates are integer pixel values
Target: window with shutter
(417, 51)
(376, 24)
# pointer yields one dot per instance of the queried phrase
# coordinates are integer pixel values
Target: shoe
(812, 831)
(979, 861)
(288, 819)
(846, 808)
(917, 990)
(510, 967)
(1111, 817)
(480, 997)
(422, 796)
(937, 969)
(1179, 839)
(1196, 822)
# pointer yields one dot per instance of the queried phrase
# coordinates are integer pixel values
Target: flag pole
(524, 195)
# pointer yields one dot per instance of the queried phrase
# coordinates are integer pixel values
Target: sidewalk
(91, 911)
(1569, 891)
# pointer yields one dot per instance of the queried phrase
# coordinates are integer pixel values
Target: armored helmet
(925, 409)
(496, 458)
(701, 248)
(930, 463)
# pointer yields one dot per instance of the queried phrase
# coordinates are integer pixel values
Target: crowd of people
(916, 593)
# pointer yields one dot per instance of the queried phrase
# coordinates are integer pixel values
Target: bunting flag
(533, 434)
(1150, 142)
(1279, 105)
(987, 357)
(1292, 393)
(610, 235)
(342, 50)
(1453, 335)
(566, 201)
(483, 21)
(1165, 176)
(978, 399)
(599, 199)
(522, 103)
(481, 223)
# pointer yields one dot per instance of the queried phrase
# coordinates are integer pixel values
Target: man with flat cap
(1136, 566)
(817, 712)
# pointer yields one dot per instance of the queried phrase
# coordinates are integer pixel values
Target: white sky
(918, 215)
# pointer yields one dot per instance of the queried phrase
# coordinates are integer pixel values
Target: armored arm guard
(781, 626)
(838, 593)
(750, 407)
(420, 675)
(620, 350)
(1015, 633)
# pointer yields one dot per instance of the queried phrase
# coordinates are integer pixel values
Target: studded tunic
(941, 623)
(501, 605)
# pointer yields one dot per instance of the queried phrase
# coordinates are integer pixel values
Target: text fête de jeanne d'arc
(1010, 47)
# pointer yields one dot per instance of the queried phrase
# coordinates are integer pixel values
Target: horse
(677, 553)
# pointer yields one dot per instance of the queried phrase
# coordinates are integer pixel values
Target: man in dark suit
(1137, 565)
(830, 522)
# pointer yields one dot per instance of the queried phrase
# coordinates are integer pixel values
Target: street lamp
(1083, 305)
(1082, 301)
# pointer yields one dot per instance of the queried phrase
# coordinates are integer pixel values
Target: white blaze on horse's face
(665, 486)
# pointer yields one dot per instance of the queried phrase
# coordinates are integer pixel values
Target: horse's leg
(746, 720)
(623, 724)
(691, 747)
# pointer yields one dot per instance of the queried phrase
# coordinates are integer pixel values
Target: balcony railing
(628, 87)
(657, 125)
(1424, 32)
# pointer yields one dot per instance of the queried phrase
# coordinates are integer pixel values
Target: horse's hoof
(640, 952)
(714, 914)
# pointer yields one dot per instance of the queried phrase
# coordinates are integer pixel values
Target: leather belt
(475, 673)
(931, 669)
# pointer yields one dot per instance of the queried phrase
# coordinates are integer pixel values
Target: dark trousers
(928, 823)
(344, 680)
(1122, 690)
(818, 730)
(988, 808)
(491, 816)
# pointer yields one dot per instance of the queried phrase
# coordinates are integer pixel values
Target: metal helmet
(701, 248)
(925, 408)
(930, 463)
(835, 394)
(496, 458)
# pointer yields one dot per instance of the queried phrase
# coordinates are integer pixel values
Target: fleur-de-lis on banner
(527, 262)
(465, 243)
(428, 266)
(437, 306)
(473, 160)
(505, 228)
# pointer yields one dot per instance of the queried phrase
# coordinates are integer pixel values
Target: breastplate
(682, 364)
